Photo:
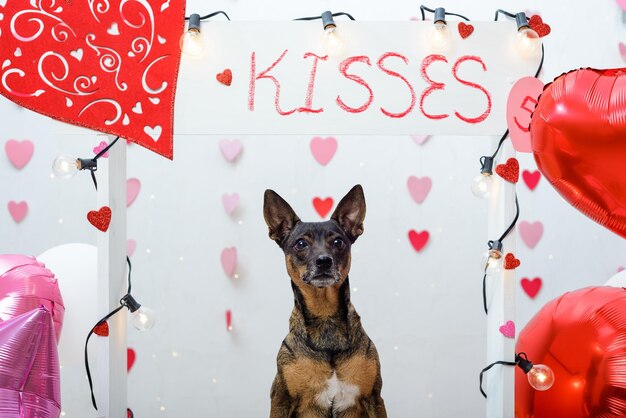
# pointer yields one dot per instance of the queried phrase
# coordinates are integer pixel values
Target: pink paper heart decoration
(229, 260)
(19, 152)
(622, 50)
(621, 268)
(18, 210)
(230, 202)
(419, 187)
(531, 233)
(111, 65)
(133, 186)
(531, 178)
(508, 329)
(531, 287)
(102, 145)
(230, 149)
(621, 4)
(131, 356)
(323, 149)
(418, 239)
(420, 139)
(131, 245)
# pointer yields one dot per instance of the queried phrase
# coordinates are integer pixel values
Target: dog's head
(316, 253)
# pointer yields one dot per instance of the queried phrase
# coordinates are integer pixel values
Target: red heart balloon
(578, 135)
(108, 65)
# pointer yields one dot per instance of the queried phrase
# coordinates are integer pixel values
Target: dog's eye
(338, 243)
(301, 245)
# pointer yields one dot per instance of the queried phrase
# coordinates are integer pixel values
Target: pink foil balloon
(26, 284)
(30, 384)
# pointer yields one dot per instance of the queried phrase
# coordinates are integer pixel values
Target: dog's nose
(324, 262)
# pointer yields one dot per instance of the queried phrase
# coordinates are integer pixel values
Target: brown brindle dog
(327, 365)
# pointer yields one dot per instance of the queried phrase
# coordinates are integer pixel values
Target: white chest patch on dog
(338, 394)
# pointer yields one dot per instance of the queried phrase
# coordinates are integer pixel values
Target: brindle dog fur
(327, 365)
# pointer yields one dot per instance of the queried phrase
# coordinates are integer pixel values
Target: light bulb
(541, 377)
(440, 37)
(65, 166)
(492, 262)
(192, 43)
(143, 318)
(482, 185)
(332, 42)
(527, 42)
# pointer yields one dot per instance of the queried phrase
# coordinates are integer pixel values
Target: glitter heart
(100, 218)
(536, 24)
(465, 30)
(510, 262)
(225, 77)
(102, 329)
(509, 171)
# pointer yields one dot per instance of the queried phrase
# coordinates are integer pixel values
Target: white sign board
(381, 78)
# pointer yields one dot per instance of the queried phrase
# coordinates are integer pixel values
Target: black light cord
(483, 371)
(93, 162)
(100, 322)
(210, 15)
(424, 8)
(348, 15)
(504, 12)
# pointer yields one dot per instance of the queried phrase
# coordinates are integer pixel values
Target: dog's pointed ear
(350, 212)
(279, 216)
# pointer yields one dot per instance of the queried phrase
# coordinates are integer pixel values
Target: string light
(66, 166)
(439, 34)
(540, 376)
(482, 184)
(527, 42)
(332, 40)
(192, 42)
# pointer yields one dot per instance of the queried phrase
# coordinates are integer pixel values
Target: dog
(327, 366)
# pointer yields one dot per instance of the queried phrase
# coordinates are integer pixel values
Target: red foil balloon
(26, 284)
(582, 337)
(578, 134)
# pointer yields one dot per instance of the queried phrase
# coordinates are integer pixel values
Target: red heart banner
(108, 65)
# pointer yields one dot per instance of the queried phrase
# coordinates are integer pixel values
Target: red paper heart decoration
(107, 65)
(102, 329)
(578, 134)
(418, 239)
(531, 178)
(323, 206)
(130, 359)
(536, 23)
(531, 287)
(100, 218)
(510, 262)
(465, 30)
(509, 171)
(225, 77)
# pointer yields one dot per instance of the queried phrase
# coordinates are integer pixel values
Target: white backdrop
(423, 310)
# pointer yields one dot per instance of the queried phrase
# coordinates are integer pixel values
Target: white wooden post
(112, 285)
(500, 380)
